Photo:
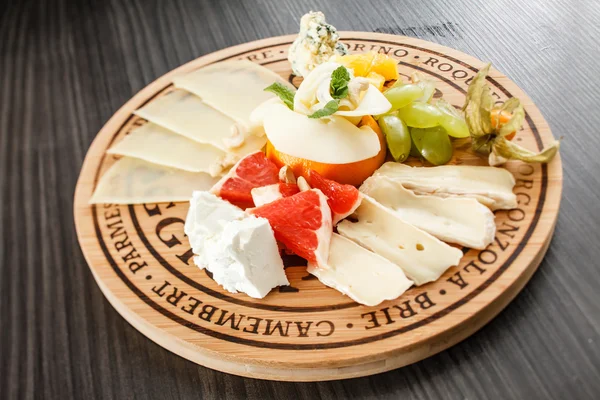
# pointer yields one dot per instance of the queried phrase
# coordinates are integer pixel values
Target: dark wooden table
(67, 66)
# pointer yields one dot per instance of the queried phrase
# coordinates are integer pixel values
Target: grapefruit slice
(252, 171)
(301, 222)
(342, 199)
(267, 194)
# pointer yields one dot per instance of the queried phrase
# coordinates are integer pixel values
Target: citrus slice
(301, 222)
(342, 199)
(267, 194)
(252, 171)
(353, 173)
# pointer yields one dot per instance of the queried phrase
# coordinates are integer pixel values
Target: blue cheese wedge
(239, 250)
(363, 276)
(316, 43)
(459, 220)
(491, 186)
(149, 142)
(135, 181)
(422, 257)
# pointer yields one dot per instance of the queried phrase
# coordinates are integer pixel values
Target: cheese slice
(233, 87)
(422, 257)
(360, 274)
(332, 140)
(492, 186)
(134, 181)
(459, 220)
(155, 144)
(184, 113)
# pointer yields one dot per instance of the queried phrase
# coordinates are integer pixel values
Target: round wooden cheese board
(141, 258)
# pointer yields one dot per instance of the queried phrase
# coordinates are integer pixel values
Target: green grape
(420, 115)
(433, 144)
(401, 96)
(413, 147)
(397, 136)
(452, 120)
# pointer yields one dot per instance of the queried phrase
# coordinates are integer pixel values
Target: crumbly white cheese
(422, 257)
(207, 217)
(240, 250)
(360, 274)
(461, 220)
(244, 257)
(316, 43)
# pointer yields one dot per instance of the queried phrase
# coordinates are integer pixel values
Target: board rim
(497, 303)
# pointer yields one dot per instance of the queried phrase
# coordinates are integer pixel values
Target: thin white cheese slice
(233, 87)
(422, 257)
(360, 274)
(265, 194)
(460, 220)
(184, 113)
(492, 186)
(333, 139)
(155, 144)
(134, 181)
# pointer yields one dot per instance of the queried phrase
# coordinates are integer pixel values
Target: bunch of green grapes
(415, 126)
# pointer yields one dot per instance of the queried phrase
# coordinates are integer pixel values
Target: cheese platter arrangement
(319, 206)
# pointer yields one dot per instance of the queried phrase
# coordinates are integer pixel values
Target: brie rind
(422, 257)
(155, 144)
(134, 181)
(491, 186)
(360, 274)
(234, 87)
(459, 220)
(186, 114)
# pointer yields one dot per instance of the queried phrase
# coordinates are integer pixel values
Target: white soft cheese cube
(207, 217)
(244, 258)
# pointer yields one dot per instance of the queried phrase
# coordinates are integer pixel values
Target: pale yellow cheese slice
(491, 186)
(155, 144)
(184, 113)
(461, 220)
(360, 274)
(422, 257)
(234, 87)
(134, 181)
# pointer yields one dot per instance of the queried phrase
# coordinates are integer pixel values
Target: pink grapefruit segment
(252, 171)
(342, 199)
(301, 222)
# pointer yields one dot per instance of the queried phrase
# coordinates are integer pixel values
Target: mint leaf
(329, 109)
(285, 93)
(339, 82)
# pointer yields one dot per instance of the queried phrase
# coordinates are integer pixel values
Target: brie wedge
(184, 113)
(489, 185)
(360, 274)
(134, 181)
(155, 144)
(459, 220)
(422, 257)
(234, 87)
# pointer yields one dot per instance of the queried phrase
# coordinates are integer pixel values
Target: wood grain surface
(66, 67)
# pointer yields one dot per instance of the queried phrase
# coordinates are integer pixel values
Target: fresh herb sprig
(285, 93)
(338, 89)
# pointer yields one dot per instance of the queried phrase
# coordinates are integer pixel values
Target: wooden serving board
(308, 332)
